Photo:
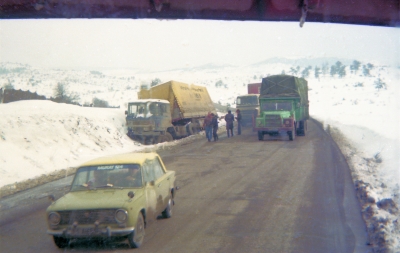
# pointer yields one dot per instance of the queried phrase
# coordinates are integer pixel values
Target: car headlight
(54, 218)
(121, 216)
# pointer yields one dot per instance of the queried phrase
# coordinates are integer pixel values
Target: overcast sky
(165, 44)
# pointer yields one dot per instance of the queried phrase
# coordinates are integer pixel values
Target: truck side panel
(193, 100)
(187, 101)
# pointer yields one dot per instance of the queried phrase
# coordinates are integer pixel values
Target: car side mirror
(126, 112)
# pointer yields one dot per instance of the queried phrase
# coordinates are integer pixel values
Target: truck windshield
(247, 100)
(277, 106)
(146, 110)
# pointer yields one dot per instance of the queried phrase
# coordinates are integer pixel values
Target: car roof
(125, 158)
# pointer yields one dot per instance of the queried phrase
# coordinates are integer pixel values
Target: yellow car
(113, 197)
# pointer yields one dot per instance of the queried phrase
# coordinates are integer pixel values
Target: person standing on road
(214, 124)
(229, 118)
(239, 121)
(207, 126)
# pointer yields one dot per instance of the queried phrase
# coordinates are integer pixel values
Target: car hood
(95, 199)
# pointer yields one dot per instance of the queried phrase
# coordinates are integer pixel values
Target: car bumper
(86, 232)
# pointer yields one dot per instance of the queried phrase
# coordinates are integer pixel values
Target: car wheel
(135, 239)
(61, 242)
(167, 213)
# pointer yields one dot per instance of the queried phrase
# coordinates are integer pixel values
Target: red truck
(253, 88)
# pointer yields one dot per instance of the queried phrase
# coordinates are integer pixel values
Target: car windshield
(277, 106)
(247, 100)
(107, 176)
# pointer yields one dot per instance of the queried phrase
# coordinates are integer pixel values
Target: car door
(162, 185)
(150, 191)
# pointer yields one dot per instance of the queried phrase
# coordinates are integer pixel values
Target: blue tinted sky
(166, 44)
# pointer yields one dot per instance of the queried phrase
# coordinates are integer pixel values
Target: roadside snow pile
(43, 137)
(377, 186)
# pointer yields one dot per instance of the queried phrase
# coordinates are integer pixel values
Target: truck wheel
(168, 137)
(189, 130)
(260, 136)
(135, 239)
(292, 134)
(301, 130)
(164, 138)
(61, 242)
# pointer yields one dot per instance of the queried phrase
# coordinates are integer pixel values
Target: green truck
(283, 107)
(168, 111)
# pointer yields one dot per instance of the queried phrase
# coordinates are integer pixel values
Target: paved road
(236, 195)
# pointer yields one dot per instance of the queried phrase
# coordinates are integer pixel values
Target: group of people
(211, 124)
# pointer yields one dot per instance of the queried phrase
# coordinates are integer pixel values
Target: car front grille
(104, 216)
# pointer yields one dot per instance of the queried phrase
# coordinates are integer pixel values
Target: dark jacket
(229, 118)
(215, 122)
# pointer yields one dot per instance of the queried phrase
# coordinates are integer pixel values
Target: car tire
(61, 242)
(135, 239)
(167, 213)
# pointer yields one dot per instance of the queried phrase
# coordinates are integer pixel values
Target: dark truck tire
(260, 136)
(292, 134)
(301, 131)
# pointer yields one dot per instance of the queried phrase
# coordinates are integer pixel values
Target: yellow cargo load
(187, 100)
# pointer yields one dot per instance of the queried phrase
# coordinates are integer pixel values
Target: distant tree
(154, 82)
(325, 68)
(283, 72)
(355, 66)
(61, 94)
(370, 66)
(294, 71)
(341, 71)
(94, 72)
(379, 84)
(99, 103)
(317, 71)
(8, 86)
(333, 71)
(219, 84)
(60, 91)
(365, 70)
(254, 77)
(306, 72)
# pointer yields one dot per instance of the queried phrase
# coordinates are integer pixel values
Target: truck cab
(277, 116)
(247, 104)
(146, 117)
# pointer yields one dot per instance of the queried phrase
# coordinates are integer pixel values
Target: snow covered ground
(43, 140)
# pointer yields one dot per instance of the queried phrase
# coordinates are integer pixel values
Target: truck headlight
(54, 218)
(287, 122)
(121, 216)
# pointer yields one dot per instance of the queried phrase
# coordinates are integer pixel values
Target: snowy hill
(360, 112)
